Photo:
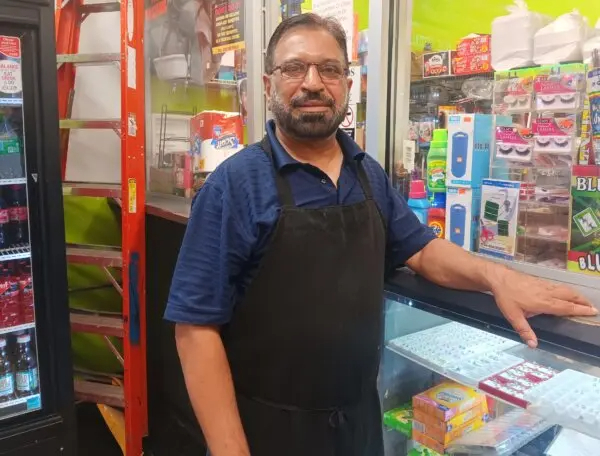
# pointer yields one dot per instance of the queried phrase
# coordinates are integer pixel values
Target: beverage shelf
(12, 329)
(20, 406)
(16, 181)
(11, 102)
(15, 253)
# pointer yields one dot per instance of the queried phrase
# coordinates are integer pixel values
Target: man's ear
(267, 83)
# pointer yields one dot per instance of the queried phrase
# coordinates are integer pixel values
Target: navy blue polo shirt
(234, 215)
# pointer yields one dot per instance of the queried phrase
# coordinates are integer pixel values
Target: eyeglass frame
(345, 71)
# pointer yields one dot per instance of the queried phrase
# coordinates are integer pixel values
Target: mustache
(312, 96)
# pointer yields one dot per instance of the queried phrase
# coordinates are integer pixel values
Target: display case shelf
(11, 102)
(16, 181)
(13, 329)
(15, 253)
(20, 406)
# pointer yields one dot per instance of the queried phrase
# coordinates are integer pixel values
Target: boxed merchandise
(471, 64)
(446, 437)
(436, 64)
(214, 137)
(420, 450)
(474, 45)
(562, 92)
(462, 216)
(447, 400)
(446, 426)
(499, 217)
(584, 256)
(469, 143)
(400, 419)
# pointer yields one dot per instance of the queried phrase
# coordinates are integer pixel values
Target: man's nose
(312, 80)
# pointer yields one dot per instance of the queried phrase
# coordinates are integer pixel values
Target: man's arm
(518, 295)
(210, 387)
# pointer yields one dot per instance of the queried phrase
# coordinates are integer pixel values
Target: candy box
(446, 437)
(471, 64)
(447, 400)
(438, 425)
(428, 442)
(400, 419)
(214, 137)
(474, 45)
(436, 64)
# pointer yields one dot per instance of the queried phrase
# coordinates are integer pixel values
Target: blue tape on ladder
(134, 299)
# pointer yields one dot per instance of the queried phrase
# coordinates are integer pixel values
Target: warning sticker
(132, 196)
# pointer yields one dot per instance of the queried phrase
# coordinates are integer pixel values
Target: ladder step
(89, 124)
(99, 255)
(89, 59)
(92, 189)
(99, 393)
(90, 8)
(95, 323)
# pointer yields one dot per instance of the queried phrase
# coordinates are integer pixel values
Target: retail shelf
(13, 329)
(15, 253)
(16, 181)
(20, 406)
(11, 102)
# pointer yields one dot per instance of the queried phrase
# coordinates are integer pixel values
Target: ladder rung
(105, 325)
(93, 190)
(99, 393)
(107, 256)
(89, 59)
(110, 7)
(97, 124)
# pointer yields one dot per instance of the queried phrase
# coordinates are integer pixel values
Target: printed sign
(11, 85)
(228, 26)
(356, 80)
(343, 11)
(350, 120)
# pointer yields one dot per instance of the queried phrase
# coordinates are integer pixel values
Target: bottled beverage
(27, 379)
(9, 300)
(7, 377)
(4, 224)
(26, 293)
(17, 213)
(11, 161)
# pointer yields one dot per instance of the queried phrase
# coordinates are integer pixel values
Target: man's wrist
(495, 276)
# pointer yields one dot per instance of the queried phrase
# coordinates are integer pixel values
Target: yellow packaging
(445, 438)
(447, 400)
(431, 421)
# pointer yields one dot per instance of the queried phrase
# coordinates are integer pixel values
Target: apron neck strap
(283, 186)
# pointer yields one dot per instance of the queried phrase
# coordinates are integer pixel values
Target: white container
(171, 67)
(561, 40)
(512, 37)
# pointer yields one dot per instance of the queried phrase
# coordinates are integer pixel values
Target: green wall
(443, 22)
(361, 7)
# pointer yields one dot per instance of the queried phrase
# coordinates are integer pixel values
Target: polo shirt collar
(282, 159)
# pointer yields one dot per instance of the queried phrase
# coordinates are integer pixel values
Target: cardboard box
(432, 422)
(436, 64)
(214, 137)
(400, 419)
(447, 400)
(463, 216)
(428, 442)
(474, 45)
(471, 64)
(445, 438)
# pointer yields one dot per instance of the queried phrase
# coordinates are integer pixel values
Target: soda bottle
(5, 240)
(17, 213)
(26, 293)
(7, 377)
(12, 299)
(26, 366)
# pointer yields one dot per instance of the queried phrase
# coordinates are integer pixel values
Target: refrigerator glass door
(19, 377)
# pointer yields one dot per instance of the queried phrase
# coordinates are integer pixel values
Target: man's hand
(520, 296)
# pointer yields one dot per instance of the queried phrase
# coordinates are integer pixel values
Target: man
(277, 293)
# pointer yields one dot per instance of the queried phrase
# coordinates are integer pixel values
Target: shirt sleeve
(406, 234)
(214, 250)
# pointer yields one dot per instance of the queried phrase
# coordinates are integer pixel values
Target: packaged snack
(436, 64)
(559, 92)
(555, 135)
(445, 438)
(474, 45)
(400, 419)
(471, 64)
(447, 400)
(437, 425)
(514, 143)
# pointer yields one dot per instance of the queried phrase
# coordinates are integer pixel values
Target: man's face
(313, 105)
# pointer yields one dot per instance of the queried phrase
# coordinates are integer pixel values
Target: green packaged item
(503, 228)
(421, 450)
(436, 161)
(491, 210)
(400, 419)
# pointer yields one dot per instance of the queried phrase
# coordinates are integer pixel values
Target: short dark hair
(309, 20)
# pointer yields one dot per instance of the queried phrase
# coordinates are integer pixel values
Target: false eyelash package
(554, 135)
(514, 143)
(513, 96)
(562, 92)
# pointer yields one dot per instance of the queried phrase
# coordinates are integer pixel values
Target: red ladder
(131, 325)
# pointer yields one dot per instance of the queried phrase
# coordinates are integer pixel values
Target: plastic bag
(561, 40)
(591, 44)
(512, 36)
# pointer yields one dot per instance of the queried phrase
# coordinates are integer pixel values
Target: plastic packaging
(591, 44)
(513, 95)
(512, 36)
(560, 92)
(561, 40)
(514, 143)
(436, 218)
(417, 200)
(436, 161)
(555, 135)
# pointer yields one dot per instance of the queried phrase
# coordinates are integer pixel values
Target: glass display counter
(455, 379)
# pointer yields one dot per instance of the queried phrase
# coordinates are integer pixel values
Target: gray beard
(308, 125)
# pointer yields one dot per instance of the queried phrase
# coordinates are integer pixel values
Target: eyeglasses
(296, 70)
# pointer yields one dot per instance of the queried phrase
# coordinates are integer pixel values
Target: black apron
(304, 343)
